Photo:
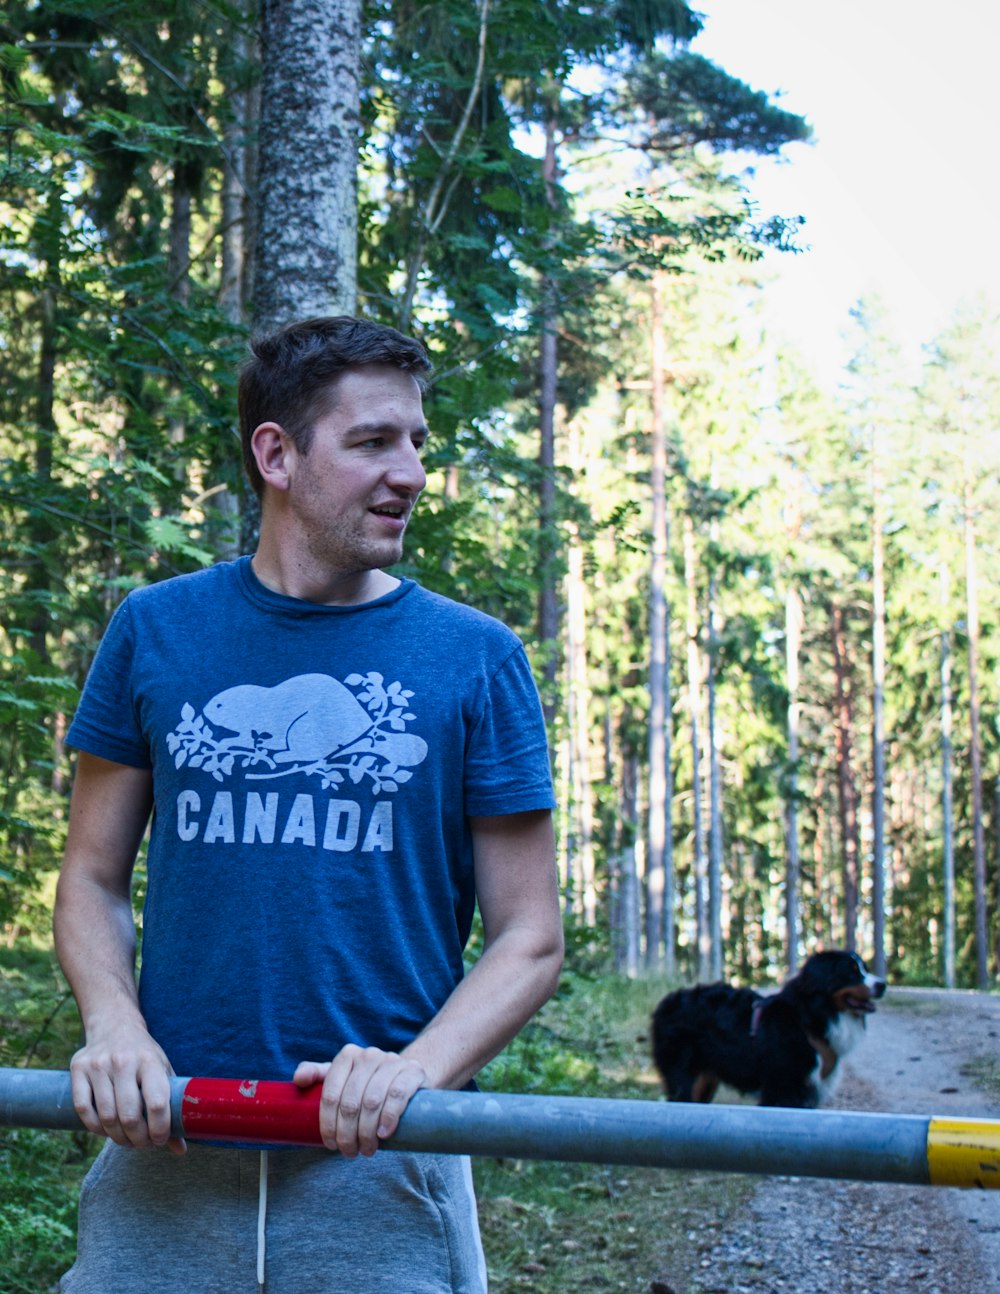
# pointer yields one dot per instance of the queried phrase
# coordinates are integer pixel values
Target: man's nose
(406, 472)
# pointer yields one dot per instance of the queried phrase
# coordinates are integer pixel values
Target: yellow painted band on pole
(964, 1152)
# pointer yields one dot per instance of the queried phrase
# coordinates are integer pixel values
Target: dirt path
(806, 1236)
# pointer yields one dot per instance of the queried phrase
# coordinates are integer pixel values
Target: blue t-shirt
(310, 871)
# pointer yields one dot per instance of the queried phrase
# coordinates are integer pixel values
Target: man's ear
(271, 448)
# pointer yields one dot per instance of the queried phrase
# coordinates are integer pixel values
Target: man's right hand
(121, 1089)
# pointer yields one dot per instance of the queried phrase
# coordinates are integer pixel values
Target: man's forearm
(514, 977)
(94, 932)
(93, 923)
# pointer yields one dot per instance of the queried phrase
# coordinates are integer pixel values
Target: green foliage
(41, 1026)
(587, 1034)
(40, 1172)
(686, 101)
(31, 813)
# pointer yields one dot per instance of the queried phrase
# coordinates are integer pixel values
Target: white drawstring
(261, 1218)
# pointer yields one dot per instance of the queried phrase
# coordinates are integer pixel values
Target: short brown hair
(289, 376)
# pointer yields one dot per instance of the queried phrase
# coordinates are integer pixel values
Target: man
(338, 764)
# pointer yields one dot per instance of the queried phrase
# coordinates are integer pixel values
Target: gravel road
(807, 1236)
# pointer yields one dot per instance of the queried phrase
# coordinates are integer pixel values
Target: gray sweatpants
(155, 1223)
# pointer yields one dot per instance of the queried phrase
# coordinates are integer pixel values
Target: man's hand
(365, 1092)
(121, 1089)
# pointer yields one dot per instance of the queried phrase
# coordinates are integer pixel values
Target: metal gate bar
(921, 1149)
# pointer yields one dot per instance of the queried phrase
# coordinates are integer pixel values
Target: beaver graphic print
(336, 731)
(299, 721)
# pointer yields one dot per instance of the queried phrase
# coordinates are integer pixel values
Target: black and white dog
(783, 1047)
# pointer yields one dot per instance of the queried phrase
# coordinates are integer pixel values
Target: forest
(760, 612)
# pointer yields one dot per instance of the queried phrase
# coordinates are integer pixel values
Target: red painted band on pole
(231, 1109)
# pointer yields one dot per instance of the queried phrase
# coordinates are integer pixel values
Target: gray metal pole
(37, 1098)
(806, 1143)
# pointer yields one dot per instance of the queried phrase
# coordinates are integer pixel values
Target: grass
(985, 1073)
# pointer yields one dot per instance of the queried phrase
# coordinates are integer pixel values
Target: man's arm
(518, 895)
(366, 1090)
(119, 1077)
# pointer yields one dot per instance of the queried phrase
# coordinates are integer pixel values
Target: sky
(900, 187)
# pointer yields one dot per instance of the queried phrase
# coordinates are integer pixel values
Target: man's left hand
(365, 1091)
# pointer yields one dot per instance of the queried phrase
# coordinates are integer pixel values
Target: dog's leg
(704, 1088)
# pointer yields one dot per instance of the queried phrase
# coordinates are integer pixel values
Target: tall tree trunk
(179, 285)
(568, 881)
(715, 956)
(975, 740)
(846, 791)
(740, 938)
(42, 533)
(239, 307)
(40, 528)
(699, 862)
(179, 248)
(251, 179)
(548, 548)
(793, 644)
(832, 890)
(947, 811)
(996, 850)
(581, 812)
(306, 255)
(824, 910)
(236, 197)
(878, 719)
(628, 952)
(612, 897)
(660, 922)
(233, 276)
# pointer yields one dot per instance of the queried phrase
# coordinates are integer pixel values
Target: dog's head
(844, 979)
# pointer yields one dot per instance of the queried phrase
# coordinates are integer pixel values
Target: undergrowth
(40, 1172)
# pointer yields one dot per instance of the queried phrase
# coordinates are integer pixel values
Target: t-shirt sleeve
(507, 762)
(106, 723)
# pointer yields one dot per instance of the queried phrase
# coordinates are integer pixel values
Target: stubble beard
(343, 551)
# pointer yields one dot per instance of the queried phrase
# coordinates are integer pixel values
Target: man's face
(353, 491)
